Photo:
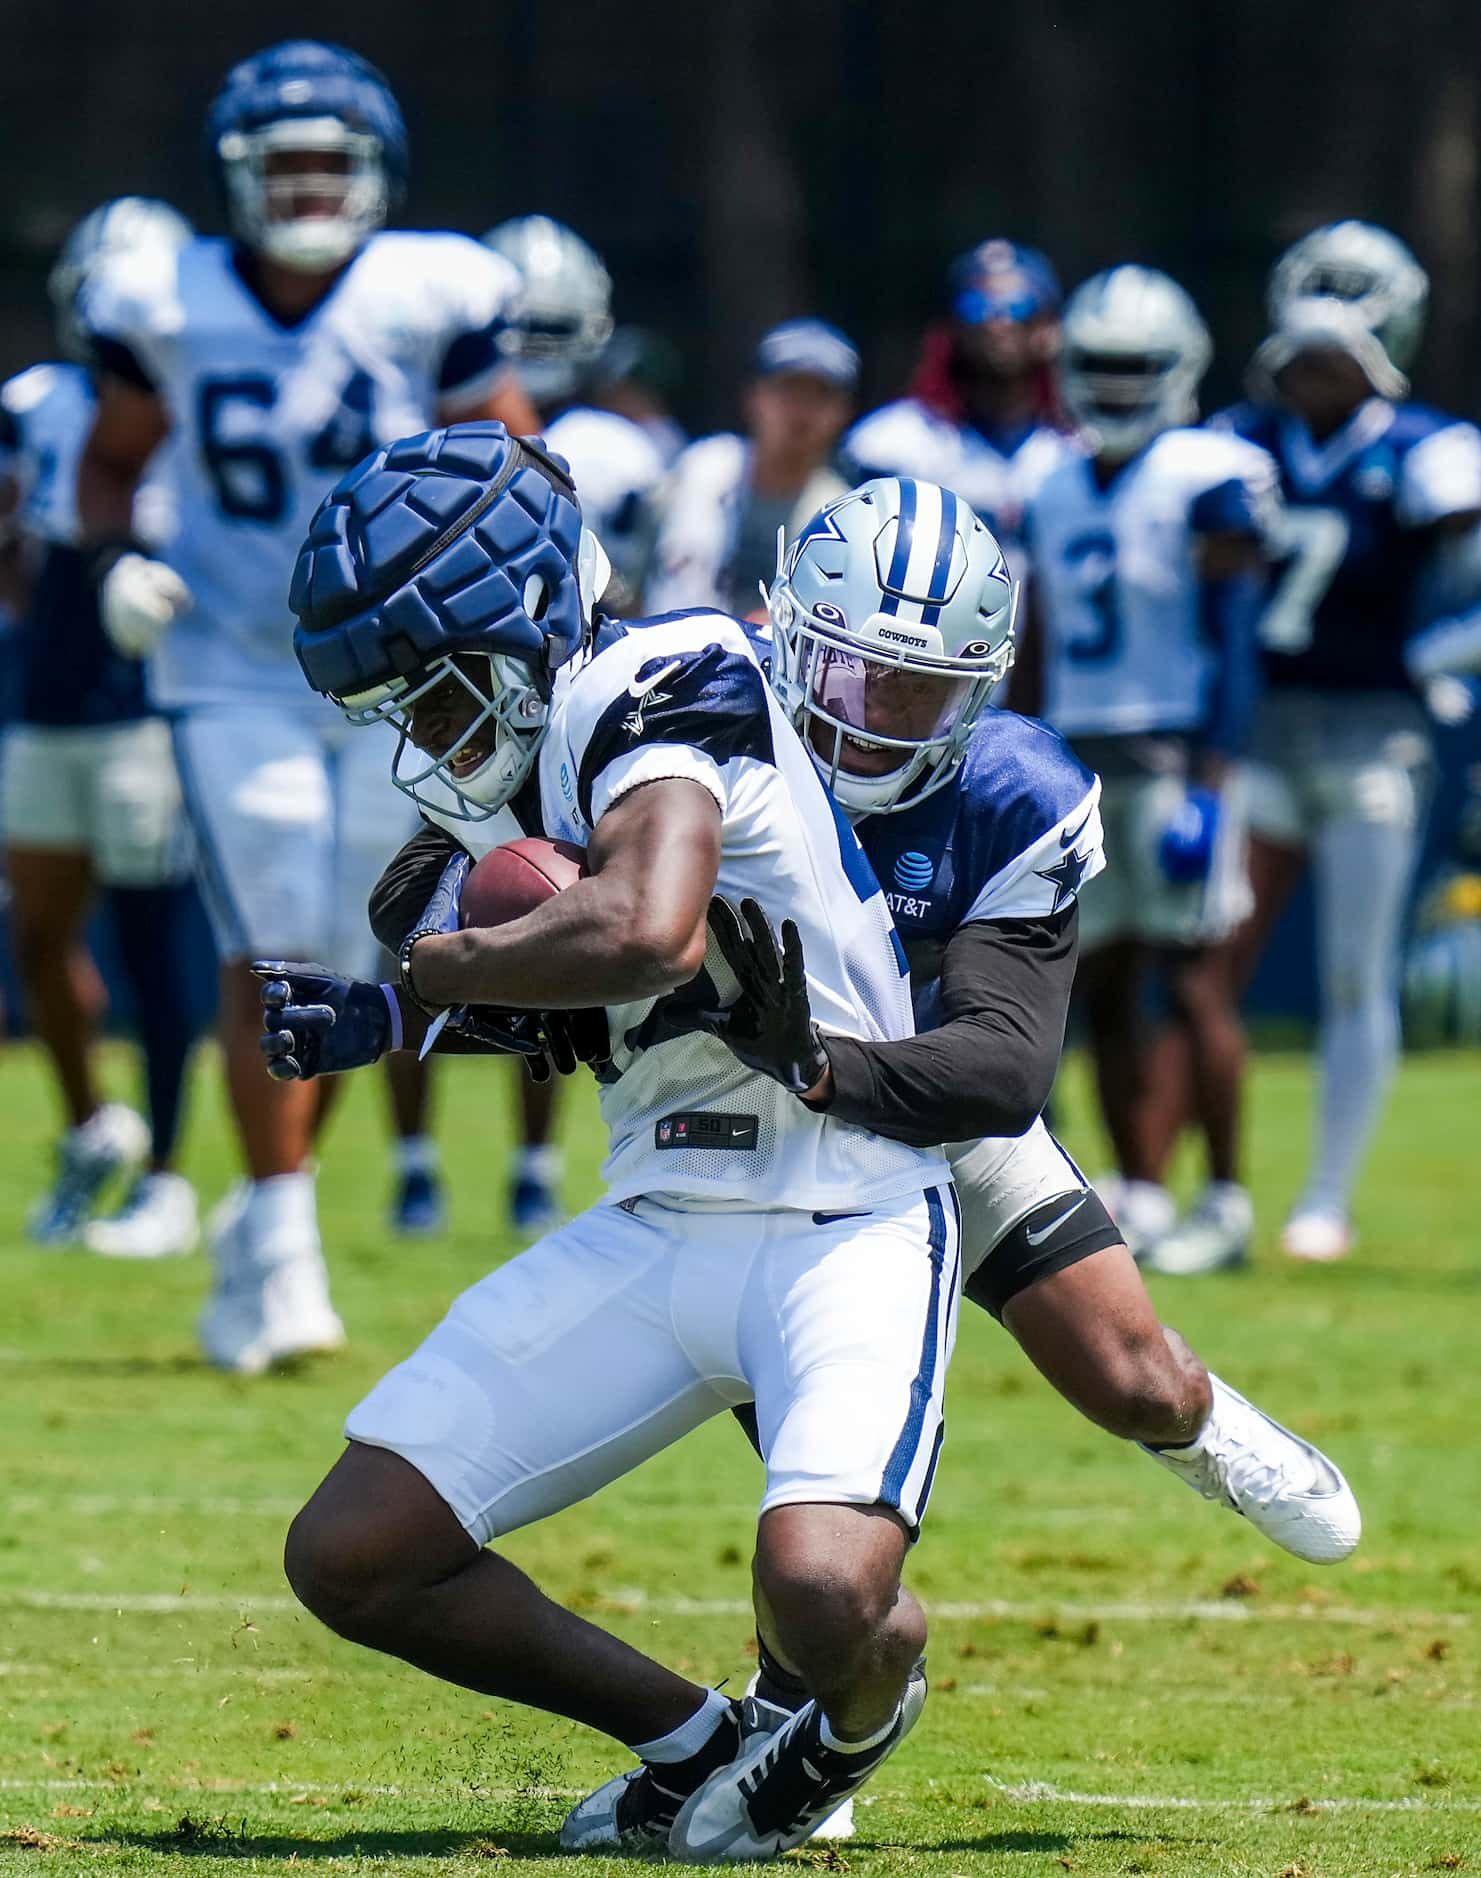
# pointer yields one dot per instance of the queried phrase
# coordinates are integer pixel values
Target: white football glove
(138, 600)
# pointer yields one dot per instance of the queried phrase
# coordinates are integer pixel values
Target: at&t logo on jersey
(913, 873)
(913, 870)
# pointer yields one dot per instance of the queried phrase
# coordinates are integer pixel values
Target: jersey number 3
(249, 474)
(1095, 637)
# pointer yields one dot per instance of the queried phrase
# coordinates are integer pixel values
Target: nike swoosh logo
(831, 1219)
(1038, 1238)
(640, 691)
(1068, 841)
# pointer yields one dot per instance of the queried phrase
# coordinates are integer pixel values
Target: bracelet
(403, 972)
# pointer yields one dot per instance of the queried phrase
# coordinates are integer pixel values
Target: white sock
(541, 1165)
(416, 1154)
(690, 1736)
(840, 1746)
(1363, 867)
(282, 1204)
(1360, 1049)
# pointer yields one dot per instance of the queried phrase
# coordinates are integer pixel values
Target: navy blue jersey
(1015, 834)
(1357, 536)
(66, 670)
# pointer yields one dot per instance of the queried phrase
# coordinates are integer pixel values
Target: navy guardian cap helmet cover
(459, 541)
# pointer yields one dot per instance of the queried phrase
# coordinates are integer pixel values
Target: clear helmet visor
(883, 731)
(470, 728)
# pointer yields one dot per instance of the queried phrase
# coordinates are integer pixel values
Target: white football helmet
(1134, 352)
(892, 622)
(123, 226)
(566, 308)
(1371, 275)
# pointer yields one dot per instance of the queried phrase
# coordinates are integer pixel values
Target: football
(513, 880)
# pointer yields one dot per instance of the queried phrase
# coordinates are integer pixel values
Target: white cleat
(1142, 1209)
(157, 1221)
(1317, 1233)
(268, 1304)
(1281, 1484)
(112, 1141)
(1213, 1237)
(781, 1788)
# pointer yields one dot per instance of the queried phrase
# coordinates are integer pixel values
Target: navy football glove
(316, 1023)
(1185, 852)
(769, 1027)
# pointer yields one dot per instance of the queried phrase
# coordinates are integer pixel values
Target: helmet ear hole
(536, 597)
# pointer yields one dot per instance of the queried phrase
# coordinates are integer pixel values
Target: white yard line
(1213, 1610)
(627, 1601)
(162, 1672)
(1041, 1792)
(146, 1505)
(1028, 1793)
(292, 1787)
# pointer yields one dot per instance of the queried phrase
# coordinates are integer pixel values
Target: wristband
(104, 556)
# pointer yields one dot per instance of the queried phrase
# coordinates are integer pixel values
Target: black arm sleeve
(397, 900)
(988, 1069)
(398, 897)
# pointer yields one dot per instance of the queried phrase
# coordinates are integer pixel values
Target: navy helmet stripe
(904, 539)
(941, 572)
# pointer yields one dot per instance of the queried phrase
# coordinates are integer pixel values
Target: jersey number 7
(1308, 545)
(249, 475)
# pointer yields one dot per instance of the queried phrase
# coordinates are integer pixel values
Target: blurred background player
(1147, 559)
(1380, 494)
(982, 414)
(556, 342)
(728, 494)
(637, 376)
(91, 798)
(260, 367)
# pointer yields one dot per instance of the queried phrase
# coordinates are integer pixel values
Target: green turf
(1125, 1680)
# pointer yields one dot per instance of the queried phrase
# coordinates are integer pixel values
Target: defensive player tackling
(748, 1249)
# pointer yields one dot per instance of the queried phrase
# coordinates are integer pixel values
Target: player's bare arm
(505, 401)
(634, 929)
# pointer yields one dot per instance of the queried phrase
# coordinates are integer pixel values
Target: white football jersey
(617, 472)
(48, 411)
(686, 697)
(266, 417)
(701, 522)
(1117, 581)
(907, 438)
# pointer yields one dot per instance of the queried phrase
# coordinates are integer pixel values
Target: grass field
(1124, 1679)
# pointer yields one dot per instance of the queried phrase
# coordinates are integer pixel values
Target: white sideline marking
(625, 1600)
(1040, 1792)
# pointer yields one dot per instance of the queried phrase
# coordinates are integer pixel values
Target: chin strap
(593, 572)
